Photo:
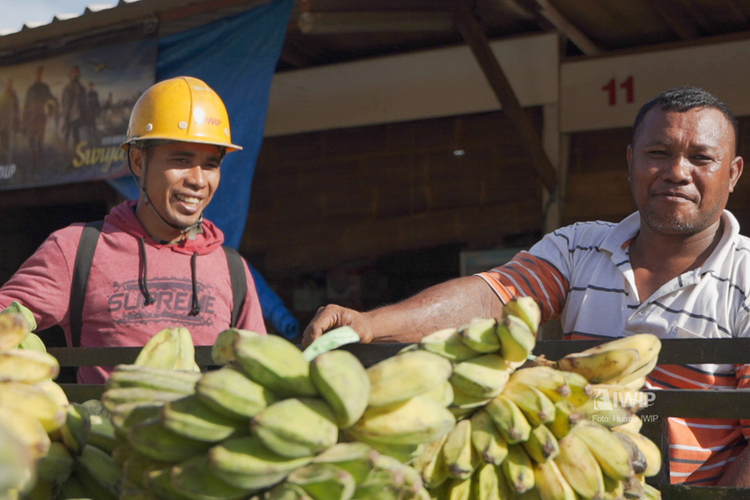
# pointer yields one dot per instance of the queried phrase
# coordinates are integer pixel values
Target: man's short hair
(684, 99)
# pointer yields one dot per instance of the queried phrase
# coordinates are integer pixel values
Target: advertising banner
(63, 119)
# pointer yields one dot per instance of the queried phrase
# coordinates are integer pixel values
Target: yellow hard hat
(183, 109)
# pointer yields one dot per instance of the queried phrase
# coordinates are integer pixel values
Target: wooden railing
(726, 403)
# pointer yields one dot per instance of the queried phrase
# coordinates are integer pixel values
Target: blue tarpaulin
(237, 57)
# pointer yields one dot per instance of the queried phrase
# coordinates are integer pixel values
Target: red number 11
(611, 88)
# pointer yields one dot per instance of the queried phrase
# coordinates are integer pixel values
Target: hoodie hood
(123, 217)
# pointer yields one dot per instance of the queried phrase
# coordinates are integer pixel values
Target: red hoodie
(122, 275)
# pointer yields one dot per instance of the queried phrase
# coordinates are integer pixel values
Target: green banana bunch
(296, 427)
(482, 377)
(488, 483)
(480, 335)
(56, 465)
(417, 420)
(405, 375)
(448, 344)
(459, 454)
(102, 433)
(229, 392)
(152, 439)
(355, 458)
(75, 433)
(344, 383)
(329, 341)
(126, 415)
(32, 342)
(157, 479)
(112, 398)
(276, 364)
(101, 467)
(464, 404)
(431, 464)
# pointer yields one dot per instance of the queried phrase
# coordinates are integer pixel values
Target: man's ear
(137, 158)
(735, 172)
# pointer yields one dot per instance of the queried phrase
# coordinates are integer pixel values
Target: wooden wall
(326, 198)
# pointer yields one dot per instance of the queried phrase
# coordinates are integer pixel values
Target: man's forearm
(738, 472)
(446, 305)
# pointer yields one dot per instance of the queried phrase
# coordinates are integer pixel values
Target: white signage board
(606, 92)
(427, 84)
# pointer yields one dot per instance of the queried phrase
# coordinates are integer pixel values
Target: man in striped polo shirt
(677, 268)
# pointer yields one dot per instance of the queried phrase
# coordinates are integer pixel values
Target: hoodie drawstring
(196, 309)
(143, 281)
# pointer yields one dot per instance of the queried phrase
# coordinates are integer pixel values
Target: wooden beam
(317, 23)
(474, 36)
(675, 17)
(568, 28)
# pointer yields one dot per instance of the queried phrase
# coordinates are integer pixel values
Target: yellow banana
(405, 453)
(614, 489)
(229, 392)
(486, 483)
(458, 451)
(509, 419)
(222, 351)
(579, 467)
(408, 374)
(649, 449)
(551, 483)
(636, 457)
(296, 427)
(464, 404)
(580, 389)
(518, 470)
(458, 489)
(622, 395)
(431, 463)
(323, 481)
(538, 408)
(516, 339)
(147, 377)
(608, 450)
(525, 308)
(633, 424)
(54, 391)
(545, 378)
(162, 350)
(448, 344)
(343, 382)
(482, 377)
(32, 400)
(189, 417)
(542, 445)
(152, 439)
(480, 335)
(415, 421)
(276, 364)
(565, 418)
(23, 365)
(637, 378)
(443, 394)
(186, 358)
(604, 412)
(489, 444)
(13, 328)
(602, 365)
(194, 479)
(651, 493)
(247, 463)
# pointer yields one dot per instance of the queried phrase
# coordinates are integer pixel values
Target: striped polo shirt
(582, 275)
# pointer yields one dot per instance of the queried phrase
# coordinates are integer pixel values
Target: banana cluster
(268, 424)
(42, 436)
(561, 430)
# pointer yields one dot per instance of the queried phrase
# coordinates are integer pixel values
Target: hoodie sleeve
(43, 282)
(251, 316)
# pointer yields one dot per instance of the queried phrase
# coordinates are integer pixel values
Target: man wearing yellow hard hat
(154, 262)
